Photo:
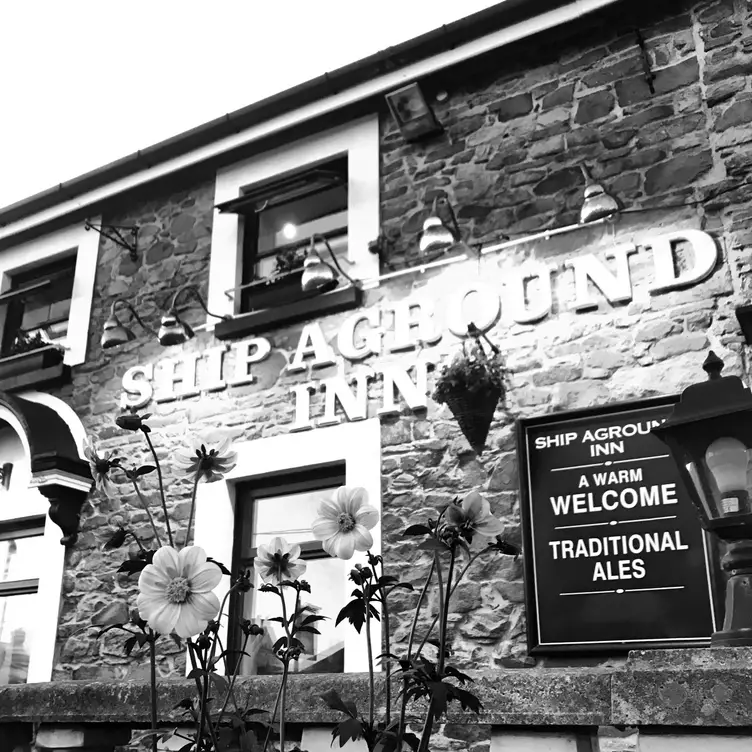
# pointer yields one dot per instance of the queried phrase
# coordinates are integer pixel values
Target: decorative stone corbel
(66, 483)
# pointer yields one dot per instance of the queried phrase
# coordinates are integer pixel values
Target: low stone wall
(665, 695)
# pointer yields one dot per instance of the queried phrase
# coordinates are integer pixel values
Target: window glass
(43, 311)
(21, 558)
(290, 516)
(18, 619)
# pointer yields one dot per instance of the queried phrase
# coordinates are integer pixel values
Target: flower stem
(453, 587)
(387, 650)
(411, 637)
(153, 676)
(161, 487)
(370, 663)
(428, 723)
(193, 506)
(148, 513)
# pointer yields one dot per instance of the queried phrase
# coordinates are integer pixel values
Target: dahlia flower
(344, 521)
(210, 460)
(279, 561)
(100, 465)
(175, 591)
(474, 517)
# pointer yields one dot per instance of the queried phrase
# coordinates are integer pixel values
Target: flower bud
(130, 421)
(203, 641)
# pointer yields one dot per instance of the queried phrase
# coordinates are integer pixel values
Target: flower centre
(178, 590)
(346, 522)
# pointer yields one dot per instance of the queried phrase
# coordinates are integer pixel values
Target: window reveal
(286, 507)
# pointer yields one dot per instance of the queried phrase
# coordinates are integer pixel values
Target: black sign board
(615, 557)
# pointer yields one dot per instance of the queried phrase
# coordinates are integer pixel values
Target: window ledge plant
(176, 602)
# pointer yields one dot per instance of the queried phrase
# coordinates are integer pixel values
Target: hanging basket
(471, 386)
(474, 412)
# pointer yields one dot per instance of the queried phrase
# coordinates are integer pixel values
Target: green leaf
(431, 544)
(132, 566)
(130, 643)
(349, 729)
(335, 702)
(418, 530)
(222, 567)
(312, 618)
(220, 683)
(195, 673)
(304, 628)
(145, 470)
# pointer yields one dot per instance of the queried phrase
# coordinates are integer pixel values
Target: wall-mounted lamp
(597, 203)
(113, 233)
(437, 236)
(318, 274)
(413, 114)
(114, 332)
(173, 330)
(709, 435)
(5, 473)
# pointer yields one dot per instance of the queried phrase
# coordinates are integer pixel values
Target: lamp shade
(317, 274)
(173, 331)
(709, 434)
(436, 236)
(114, 333)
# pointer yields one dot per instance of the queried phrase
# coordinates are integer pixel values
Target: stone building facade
(653, 98)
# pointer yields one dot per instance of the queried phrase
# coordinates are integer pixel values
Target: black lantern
(709, 434)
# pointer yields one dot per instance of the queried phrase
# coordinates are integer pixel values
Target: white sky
(85, 82)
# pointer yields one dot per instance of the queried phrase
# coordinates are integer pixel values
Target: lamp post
(709, 435)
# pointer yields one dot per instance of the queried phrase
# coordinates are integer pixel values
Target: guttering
(143, 167)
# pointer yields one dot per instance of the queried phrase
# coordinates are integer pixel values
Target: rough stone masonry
(518, 124)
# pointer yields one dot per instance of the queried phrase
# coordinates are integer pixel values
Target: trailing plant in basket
(176, 602)
(472, 385)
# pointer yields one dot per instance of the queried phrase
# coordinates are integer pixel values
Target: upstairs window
(37, 306)
(279, 219)
(269, 206)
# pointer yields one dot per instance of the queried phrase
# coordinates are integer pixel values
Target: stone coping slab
(709, 688)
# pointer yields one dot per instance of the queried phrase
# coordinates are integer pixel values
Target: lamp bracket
(113, 233)
(744, 316)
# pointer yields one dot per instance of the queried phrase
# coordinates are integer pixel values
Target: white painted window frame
(359, 140)
(30, 502)
(357, 444)
(51, 247)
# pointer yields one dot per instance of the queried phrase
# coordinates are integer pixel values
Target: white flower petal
(329, 508)
(166, 558)
(192, 559)
(489, 527)
(367, 516)
(475, 506)
(343, 546)
(356, 498)
(162, 617)
(206, 578)
(297, 570)
(153, 579)
(362, 539)
(279, 546)
(324, 528)
(294, 552)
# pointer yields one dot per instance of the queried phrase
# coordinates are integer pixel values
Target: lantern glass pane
(726, 470)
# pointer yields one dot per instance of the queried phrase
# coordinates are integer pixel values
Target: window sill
(257, 322)
(42, 367)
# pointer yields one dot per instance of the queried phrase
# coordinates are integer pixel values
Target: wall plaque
(615, 557)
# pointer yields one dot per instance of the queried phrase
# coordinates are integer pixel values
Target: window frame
(47, 249)
(269, 487)
(357, 445)
(359, 141)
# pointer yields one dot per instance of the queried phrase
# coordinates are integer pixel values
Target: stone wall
(516, 132)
